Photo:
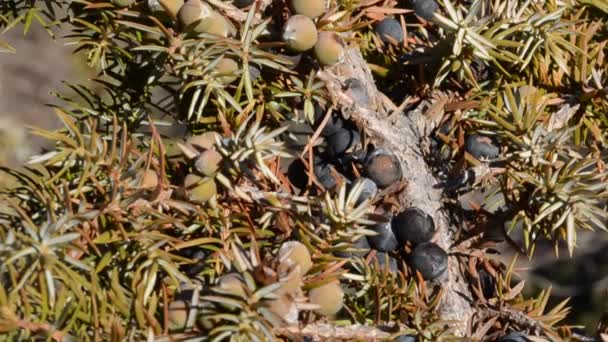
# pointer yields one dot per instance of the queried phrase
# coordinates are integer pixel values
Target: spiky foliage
(125, 231)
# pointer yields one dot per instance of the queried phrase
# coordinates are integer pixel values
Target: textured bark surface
(401, 133)
(328, 332)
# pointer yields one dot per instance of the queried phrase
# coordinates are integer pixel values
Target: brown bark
(329, 332)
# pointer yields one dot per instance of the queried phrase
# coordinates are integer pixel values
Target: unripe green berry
(172, 7)
(329, 48)
(218, 25)
(196, 16)
(291, 279)
(297, 253)
(178, 315)
(227, 68)
(309, 8)
(300, 33)
(123, 3)
(330, 298)
(204, 141)
(149, 180)
(200, 189)
(208, 162)
(285, 308)
(232, 284)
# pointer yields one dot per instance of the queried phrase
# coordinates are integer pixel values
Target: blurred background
(28, 77)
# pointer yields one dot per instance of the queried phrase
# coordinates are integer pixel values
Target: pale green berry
(149, 180)
(232, 284)
(200, 189)
(218, 25)
(204, 141)
(300, 33)
(309, 8)
(123, 3)
(178, 315)
(329, 297)
(172, 7)
(208, 162)
(330, 48)
(196, 16)
(227, 68)
(297, 253)
(285, 308)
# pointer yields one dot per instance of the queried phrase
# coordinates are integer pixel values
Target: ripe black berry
(383, 167)
(242, 3)
(334, 123)
(385, 241)
(514, 336)
(389, 27)
(197, 255)
(342, 141)
(406, 338)
(413, 225)
(430, 260)
(481, 147)
(386, 261)
(324, 175)
(487, 283)
(358, 249)
(296, 173)
(425, 8)
(368, 191)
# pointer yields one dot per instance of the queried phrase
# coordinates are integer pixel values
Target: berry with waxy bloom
(385, 240)
(425, 8)
(430, 260)
(481, 147)
(383, 167)
(413, 225)
(390, 30)
(226, 69)
(343, 141)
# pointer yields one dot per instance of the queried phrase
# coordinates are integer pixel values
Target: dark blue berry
(383, 167)
(333, 125)
(390, 27)
(385, 241)
(384, 261)
(296, 173)
(413, 225)
(406, 338)
(514, 336)
(242, 3)
(430, 260)
(358, 249)
(368, 191)
(481, 147)
(487, 283)
(324, 174)
(425, 8)
(342, 141)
